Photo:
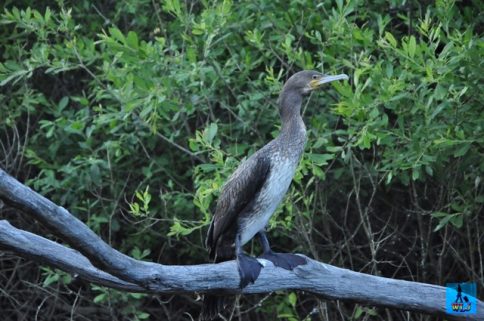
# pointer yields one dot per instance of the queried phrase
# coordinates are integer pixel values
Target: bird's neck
(290, 111)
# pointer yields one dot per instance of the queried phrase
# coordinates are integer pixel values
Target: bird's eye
(315, 76)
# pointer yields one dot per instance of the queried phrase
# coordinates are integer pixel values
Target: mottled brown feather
(237, 193)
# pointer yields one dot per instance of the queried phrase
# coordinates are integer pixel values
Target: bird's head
(306, 81)
(300, 84)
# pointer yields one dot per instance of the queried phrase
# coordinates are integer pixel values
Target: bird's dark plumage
(252, 193)
(238, 194)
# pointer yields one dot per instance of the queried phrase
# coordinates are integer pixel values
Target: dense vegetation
(133, 113)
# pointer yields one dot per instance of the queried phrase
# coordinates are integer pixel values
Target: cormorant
(252, 193)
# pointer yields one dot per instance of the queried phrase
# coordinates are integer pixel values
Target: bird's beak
(325, 79)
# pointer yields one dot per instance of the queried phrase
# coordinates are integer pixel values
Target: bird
(255, 189)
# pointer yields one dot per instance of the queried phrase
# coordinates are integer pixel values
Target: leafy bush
(133, 114)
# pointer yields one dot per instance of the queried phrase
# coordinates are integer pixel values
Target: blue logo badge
(460, 298)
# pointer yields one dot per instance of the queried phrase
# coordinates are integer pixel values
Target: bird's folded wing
(239, 190)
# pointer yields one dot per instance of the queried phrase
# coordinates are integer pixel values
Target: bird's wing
(238, 191)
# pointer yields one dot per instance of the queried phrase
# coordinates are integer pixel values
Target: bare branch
(71, 230)
(42, 250)
(325, 280)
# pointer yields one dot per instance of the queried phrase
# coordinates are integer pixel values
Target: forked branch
(97, 262)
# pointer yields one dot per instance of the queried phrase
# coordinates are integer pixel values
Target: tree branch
(123, 272)
(42, 250)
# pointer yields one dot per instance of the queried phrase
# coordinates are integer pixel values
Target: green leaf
(50, 279)
(391, 39)
(38, 16)
(439, 214)
(358, 312)
(178, 229)
(100, 298)
(47, 15)
(389, 177)
(412, 45)
(66, 279)
(292, 299)
(334, 149)
(117, 34)
(172, 6)
(210, 132)
(15, 76)
(137, 295)
(457, 220)
(320, 142)
(439, 108)
(132, 40)
(462, 150)
(415, 173)
(447, 48)
(371, 312)
(320, 159)
(63, 103)
(95, 174)
(443, 222)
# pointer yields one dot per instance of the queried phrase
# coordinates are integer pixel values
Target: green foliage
(133, 114)
(141, 207)
(362, 311)
(132, 311)
(55, 276)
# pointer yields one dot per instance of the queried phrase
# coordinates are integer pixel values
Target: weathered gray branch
(42, 250)
(112, 268)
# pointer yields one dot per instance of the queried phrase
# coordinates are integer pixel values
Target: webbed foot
(284, 260)
(249, 269)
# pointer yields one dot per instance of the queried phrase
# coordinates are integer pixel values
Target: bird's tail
(221, 251)
(212, 306)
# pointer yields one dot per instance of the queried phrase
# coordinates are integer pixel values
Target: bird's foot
(284, 260)
(249, 269)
